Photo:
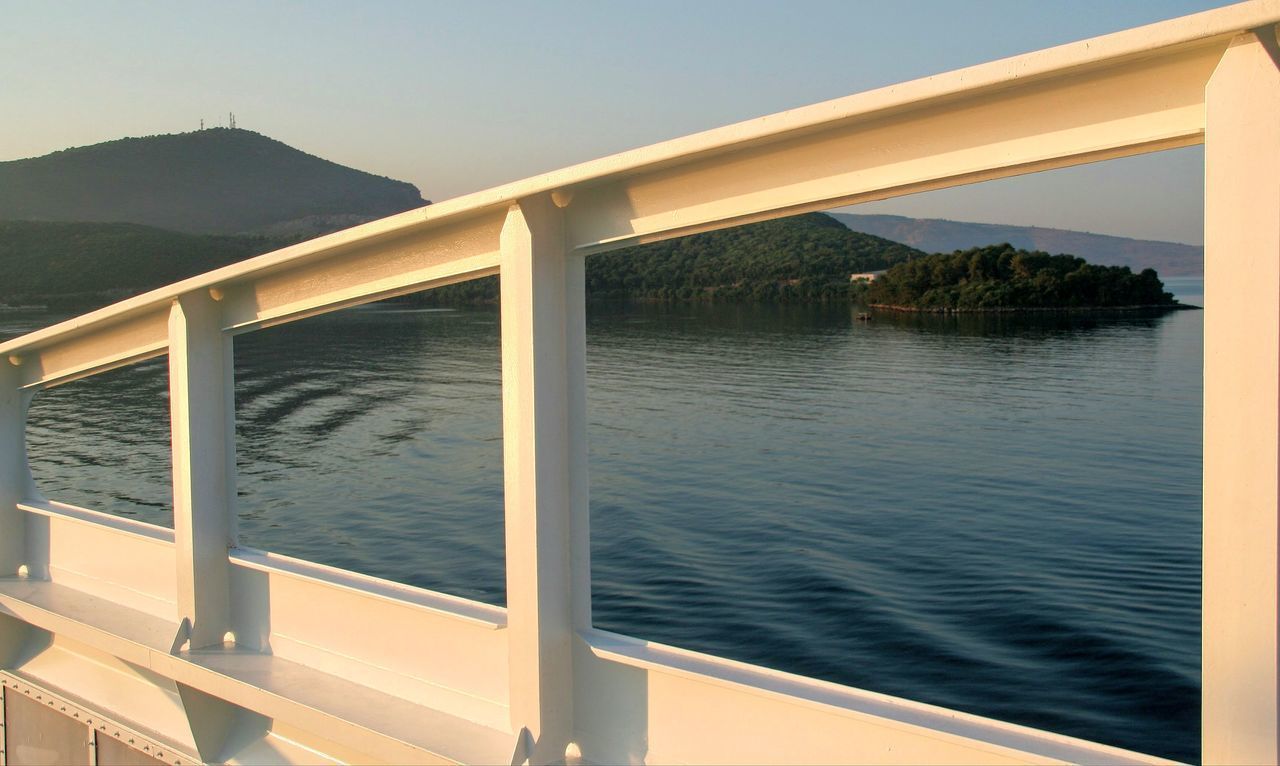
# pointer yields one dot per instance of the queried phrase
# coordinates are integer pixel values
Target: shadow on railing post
(13, 467)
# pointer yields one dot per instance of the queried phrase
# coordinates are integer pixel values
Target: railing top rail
(1213, 27)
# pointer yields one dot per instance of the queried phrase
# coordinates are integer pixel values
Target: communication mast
(232, 116)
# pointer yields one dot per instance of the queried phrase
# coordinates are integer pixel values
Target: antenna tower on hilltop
(232, 115)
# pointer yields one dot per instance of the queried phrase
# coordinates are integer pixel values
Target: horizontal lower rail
(885, 723)
(680, 692)
(359, 669)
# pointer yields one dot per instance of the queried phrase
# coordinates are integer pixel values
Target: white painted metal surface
(127, 621)
(1241, 416)
(537, 467)
(202, 407)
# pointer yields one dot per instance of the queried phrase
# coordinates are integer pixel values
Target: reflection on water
(103, 442)
(372, 440)
(999, 515)
(1004, 521)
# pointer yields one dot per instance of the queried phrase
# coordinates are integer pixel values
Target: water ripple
(991, 514)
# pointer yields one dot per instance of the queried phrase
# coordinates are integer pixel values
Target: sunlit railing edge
(536, 231)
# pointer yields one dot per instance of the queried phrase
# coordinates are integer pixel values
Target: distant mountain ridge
(935, 235)
(213, 181)
(88, 225)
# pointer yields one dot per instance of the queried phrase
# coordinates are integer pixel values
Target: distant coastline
(935, 235)
(1035, 309)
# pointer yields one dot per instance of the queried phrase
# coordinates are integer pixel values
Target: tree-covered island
(1002, 278)
(803, 259)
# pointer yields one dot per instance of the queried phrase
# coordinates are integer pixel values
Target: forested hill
(1002, 278)
(219, 180)
(85, 265)
(803, 258)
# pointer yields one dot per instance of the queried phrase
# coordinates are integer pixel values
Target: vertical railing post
(13, 468)
(1241, 417)
(202, 409)
(543, 413)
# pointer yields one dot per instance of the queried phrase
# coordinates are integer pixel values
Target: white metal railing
(210, 651)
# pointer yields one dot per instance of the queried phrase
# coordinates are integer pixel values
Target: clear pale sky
(461, 96)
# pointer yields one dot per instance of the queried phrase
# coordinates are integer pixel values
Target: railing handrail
(535, 681)
(1200, 28)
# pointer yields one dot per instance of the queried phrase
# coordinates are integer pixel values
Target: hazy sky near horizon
(459, 97)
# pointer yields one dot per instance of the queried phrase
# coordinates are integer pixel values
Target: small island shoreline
(1001, 279)
(1033, 309)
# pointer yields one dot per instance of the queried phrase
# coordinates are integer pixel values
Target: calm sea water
(999, 515)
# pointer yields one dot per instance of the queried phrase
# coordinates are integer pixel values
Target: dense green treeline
(806, 258)
(1001, 277)
(803, 258)
(799, 259)
(84, 265)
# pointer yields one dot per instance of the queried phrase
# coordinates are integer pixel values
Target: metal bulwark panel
(113, 752)
(37, 734)
(42, 727)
